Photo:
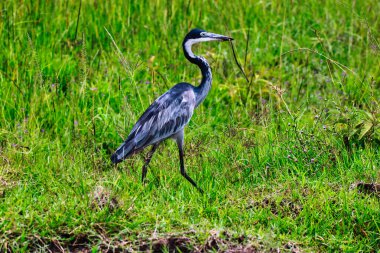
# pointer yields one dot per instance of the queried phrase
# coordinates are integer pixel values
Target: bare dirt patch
(101, 198)
(367, 188)
(286, 207)
(188, 242)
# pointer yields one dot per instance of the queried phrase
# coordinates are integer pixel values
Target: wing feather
(166, 116)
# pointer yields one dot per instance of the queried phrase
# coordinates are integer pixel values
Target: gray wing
(167, 115)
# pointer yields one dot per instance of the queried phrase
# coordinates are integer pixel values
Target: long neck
(204, 87)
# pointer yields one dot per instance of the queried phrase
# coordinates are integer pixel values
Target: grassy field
(284, 159)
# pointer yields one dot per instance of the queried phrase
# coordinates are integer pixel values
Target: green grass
(277, 158)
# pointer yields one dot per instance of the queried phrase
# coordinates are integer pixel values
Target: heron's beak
(215, 36)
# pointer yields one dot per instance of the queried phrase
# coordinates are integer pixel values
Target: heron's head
(197, 35)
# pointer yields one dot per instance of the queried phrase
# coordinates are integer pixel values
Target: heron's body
(171, 112)
(166, 116)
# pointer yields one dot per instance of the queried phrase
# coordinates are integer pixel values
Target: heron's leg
(179, 139)
(147, 161)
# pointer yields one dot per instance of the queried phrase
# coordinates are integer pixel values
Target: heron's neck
(204, 87)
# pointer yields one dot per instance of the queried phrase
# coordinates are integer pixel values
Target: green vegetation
(279, 157)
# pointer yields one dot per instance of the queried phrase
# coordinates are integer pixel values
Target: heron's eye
(203, 34)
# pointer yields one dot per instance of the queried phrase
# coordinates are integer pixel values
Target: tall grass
(277, 155)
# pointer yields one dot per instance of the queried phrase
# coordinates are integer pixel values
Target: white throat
(191, 42)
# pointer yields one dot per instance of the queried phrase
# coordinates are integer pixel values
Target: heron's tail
(122, 152)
